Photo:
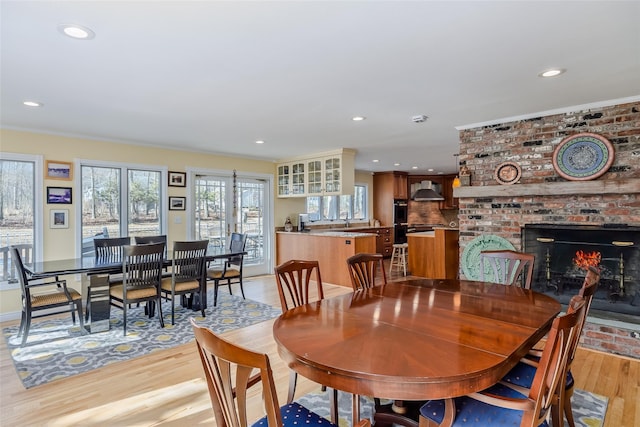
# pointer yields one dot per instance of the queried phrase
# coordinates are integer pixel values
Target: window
(329, 208)
(120, 200)
(20, 210)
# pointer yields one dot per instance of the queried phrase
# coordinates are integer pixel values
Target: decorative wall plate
(583, 156)
(471, 255)
(507, 173)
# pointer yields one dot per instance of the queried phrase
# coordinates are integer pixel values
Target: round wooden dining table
(415, 339)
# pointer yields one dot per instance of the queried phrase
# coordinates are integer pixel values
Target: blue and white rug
(56, 349)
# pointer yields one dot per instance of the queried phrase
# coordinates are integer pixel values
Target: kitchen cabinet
(384, 239)
(291, 179)
(443, 184)
(434, 254)
(331, 250)
(387, 187)
(328, 174)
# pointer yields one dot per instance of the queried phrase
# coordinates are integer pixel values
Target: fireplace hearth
(564, 252)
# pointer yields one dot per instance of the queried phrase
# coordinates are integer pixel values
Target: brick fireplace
(541, 196)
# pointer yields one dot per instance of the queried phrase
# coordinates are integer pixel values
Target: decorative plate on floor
(583, 156)
(471, 255)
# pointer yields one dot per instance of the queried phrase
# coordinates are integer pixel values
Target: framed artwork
(59, 170)
(59, 218)
(177, 203)
(59, 195)
(177, 179)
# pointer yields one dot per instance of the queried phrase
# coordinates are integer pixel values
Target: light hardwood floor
(167, 387)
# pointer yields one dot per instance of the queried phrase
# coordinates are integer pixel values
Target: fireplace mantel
(621, 186)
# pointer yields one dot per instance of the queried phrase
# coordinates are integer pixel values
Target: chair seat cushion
(117, 291)
(218, 274)
(54, 298)
(471, 412)
(522, 374)
(296, 415)
(180, 286)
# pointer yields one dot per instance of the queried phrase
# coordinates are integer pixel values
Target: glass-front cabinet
(326, 174)
(284, 180)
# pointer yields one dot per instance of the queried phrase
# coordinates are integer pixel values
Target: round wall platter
(583, 156)
(507, 173)
(471, 255)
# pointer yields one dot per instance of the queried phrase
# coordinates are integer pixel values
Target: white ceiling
(217, 76)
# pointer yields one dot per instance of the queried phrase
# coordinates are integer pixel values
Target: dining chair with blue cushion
(523, 373)
(229, 368)
(508, 404)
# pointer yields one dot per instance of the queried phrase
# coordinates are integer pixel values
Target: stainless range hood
(426, 194)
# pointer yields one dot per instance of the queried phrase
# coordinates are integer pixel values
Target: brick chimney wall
(530, 143)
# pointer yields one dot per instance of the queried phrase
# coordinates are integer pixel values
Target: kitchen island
(331, 249)
(434, 254)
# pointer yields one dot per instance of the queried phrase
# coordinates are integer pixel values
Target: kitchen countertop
(330, 233)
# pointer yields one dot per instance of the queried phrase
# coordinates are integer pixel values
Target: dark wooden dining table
(414, 339)
(95, 281)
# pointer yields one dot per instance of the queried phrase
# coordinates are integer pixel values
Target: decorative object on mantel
(287, 225)
(583, 156)
(507, 173)
(471, 255)
(465, 176)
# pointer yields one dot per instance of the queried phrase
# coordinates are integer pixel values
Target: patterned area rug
(588, 409)
(56, 348)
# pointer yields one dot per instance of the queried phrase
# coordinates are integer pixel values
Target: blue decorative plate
(471, 255)
(583, 157)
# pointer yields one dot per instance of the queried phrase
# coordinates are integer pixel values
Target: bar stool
(399, 257)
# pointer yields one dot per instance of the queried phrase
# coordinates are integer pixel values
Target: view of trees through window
(106, 203)
(17, 225)
(329, 208)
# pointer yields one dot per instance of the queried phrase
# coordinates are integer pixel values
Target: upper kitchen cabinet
(326, 174)
(291, 179)
(442, 184)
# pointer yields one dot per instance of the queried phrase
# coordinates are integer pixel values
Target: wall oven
(400, 215)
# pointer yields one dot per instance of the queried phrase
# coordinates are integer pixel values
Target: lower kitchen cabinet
(434, 254)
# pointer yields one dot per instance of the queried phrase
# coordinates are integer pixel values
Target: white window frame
(124, 179)
(364, 220)
(38, 207)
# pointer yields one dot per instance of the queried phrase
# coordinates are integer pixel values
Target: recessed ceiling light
(552, 72)
(396, 164)
(32, 103)
(375, 160)
(259, 141)
(414, 167)
(358, 118)
(76, 31)
(430, 170)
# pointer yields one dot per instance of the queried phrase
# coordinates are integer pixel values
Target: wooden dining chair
(363, 269)
(293, 279)
(524, 372)
(231, 270)
(220, 359)
(61, 299)
(507, 267)
(506, 403)
(187, 273)
(141, 276)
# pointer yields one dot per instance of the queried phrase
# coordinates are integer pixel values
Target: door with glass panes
(218, 213)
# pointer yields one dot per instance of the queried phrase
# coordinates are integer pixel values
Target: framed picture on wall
(177, 179)
(59, 170)
(59, 218)
(59, 195)
(177, 203)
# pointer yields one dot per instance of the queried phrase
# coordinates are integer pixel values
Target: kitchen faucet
(346, 223)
